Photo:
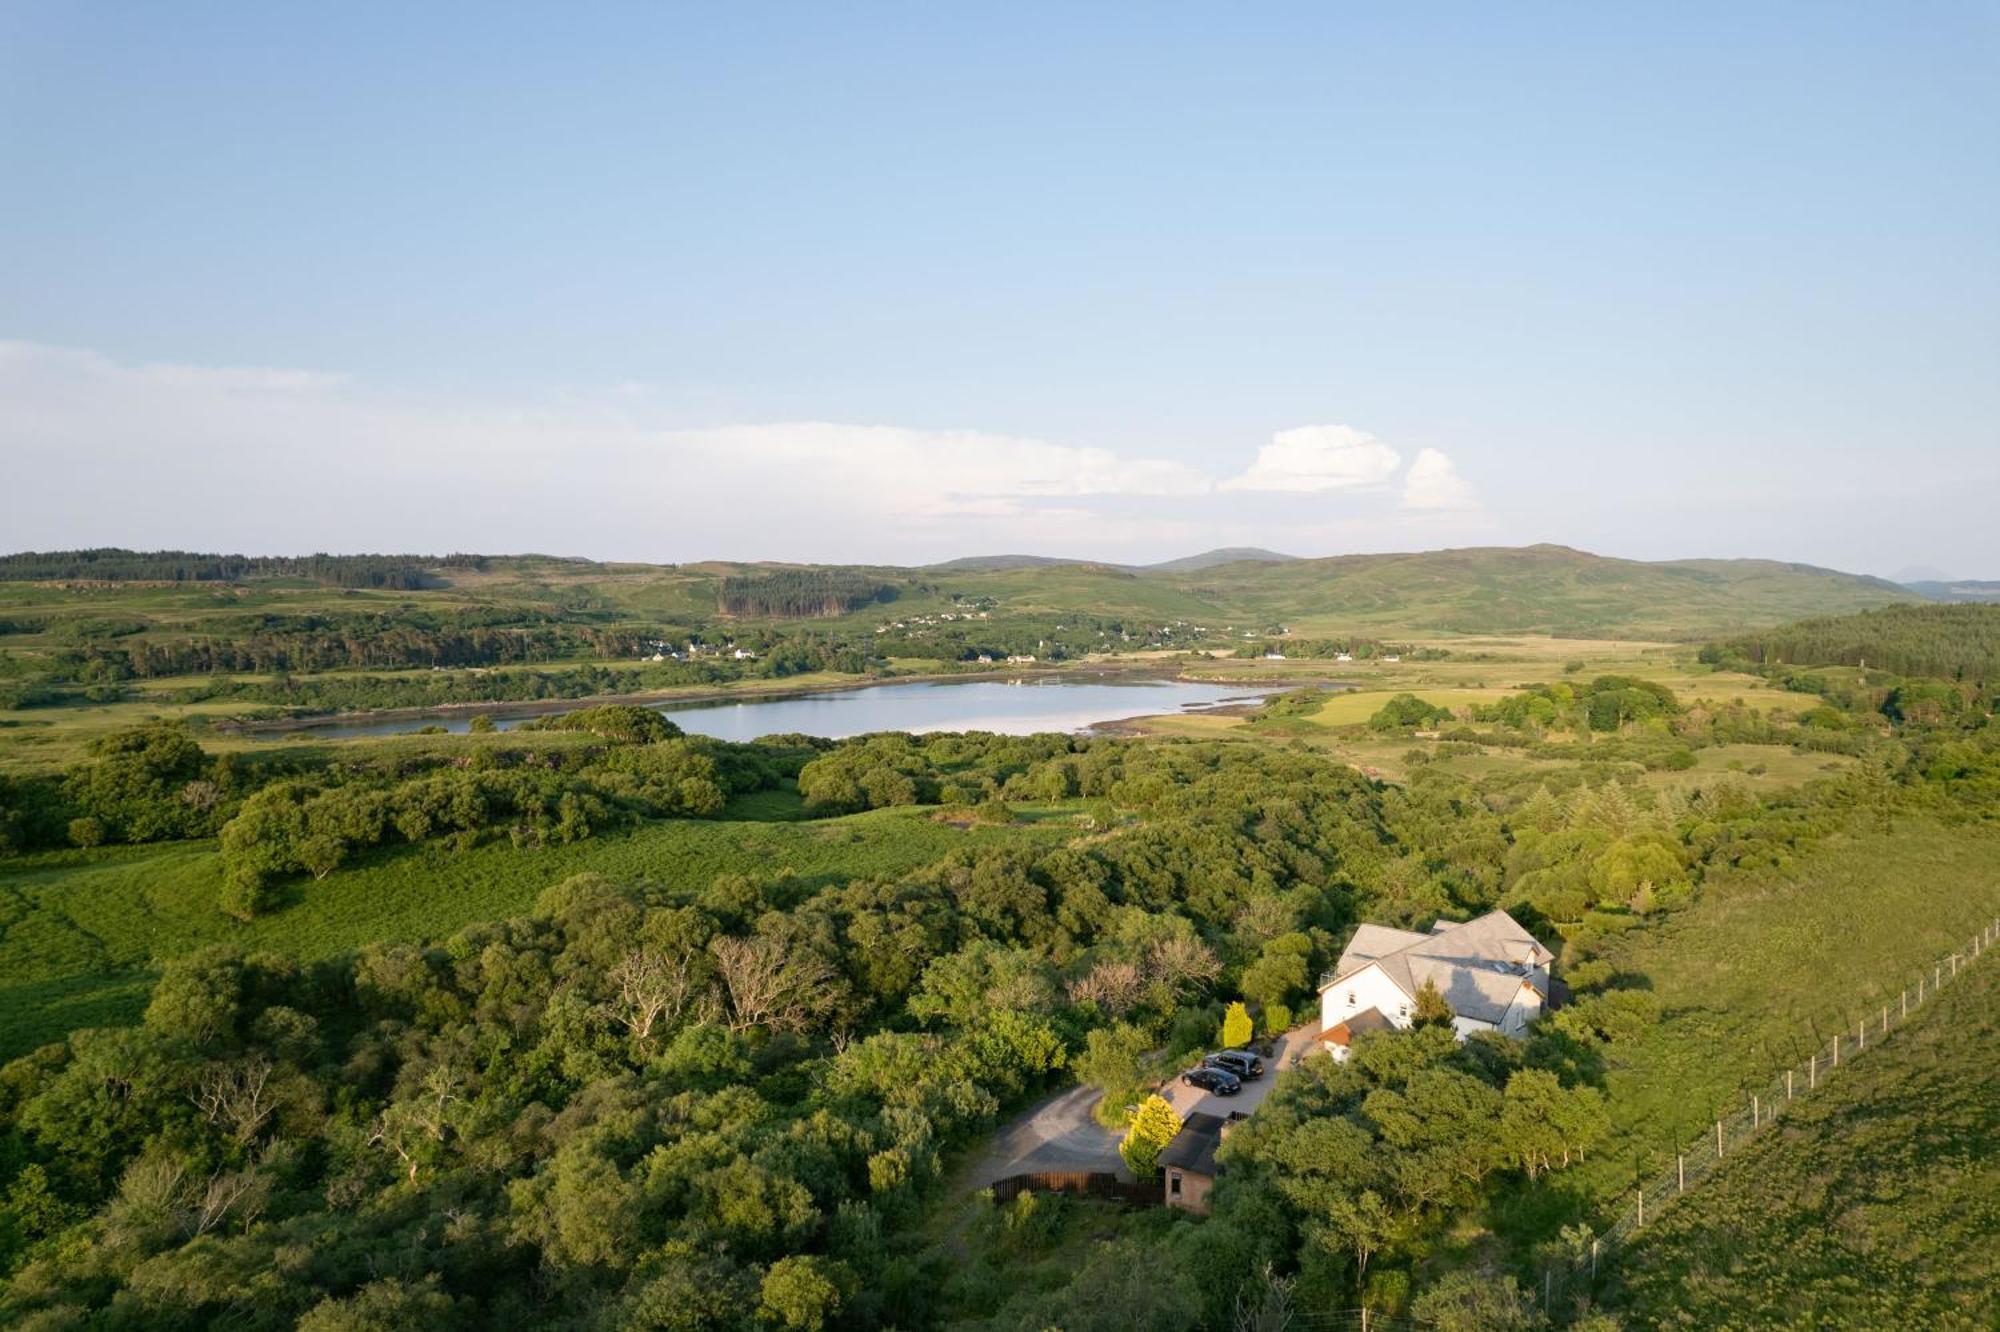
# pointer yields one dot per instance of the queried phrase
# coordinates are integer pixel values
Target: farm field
(83, 933)
(1755, 976)
(1875, 1203)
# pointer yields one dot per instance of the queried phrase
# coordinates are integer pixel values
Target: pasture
(1875, 1203)
(82, 933)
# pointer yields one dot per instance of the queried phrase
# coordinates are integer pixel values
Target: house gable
(1493, 973)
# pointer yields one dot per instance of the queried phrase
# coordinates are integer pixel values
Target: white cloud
(96, 451)
(1433, 482)
(1319, 458)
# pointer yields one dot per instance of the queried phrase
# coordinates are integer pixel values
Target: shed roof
(1193, 1148)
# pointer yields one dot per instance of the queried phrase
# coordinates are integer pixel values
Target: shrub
(1236, 1026)
(1152, 1129)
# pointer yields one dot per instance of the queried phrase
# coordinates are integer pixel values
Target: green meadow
(1875, 1203)
(83, 933)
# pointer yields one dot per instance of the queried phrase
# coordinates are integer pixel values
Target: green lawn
(82, 933)
(1875, 1203)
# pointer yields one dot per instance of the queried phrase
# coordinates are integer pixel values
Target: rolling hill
(1480, 590)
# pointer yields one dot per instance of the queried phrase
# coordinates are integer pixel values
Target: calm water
(974, 705)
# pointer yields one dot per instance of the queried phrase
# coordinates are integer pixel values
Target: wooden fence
(1096, 1183)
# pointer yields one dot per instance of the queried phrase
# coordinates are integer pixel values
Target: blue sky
(907, 282)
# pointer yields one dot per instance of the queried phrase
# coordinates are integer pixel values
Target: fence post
(1954, 966)
(1681, 1171)
(1642, 1209)
(1755, 1120)
(1788, 1084)
(1593, 1260)
(1718, 1140)
(1885, 1019)
(1836, 1050)
(1861, 1034)
(1906, 1002)
(1812, 1073)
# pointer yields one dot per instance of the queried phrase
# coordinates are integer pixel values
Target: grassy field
(1755, 976)
(1875, 1203)
(82, 933)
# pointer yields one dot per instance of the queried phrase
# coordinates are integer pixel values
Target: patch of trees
(800, 593)
(1606, 703)
(112, 564)
(314, 824)
(1407, 712)
(1955, 642)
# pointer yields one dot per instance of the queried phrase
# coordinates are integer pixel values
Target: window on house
(1350, 996)
(1174, 1184)
(1404, 1011)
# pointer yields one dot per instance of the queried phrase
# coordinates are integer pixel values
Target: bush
(1407, 712)
(1152, 1129)
(1236, 1026)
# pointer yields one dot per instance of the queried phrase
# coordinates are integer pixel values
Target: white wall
(1370, 989)
(1527, 1006)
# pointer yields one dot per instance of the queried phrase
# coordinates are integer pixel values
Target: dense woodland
(731, 1103)
(736, 1100)
(1951, 642)
(800, 593)
(112, 564)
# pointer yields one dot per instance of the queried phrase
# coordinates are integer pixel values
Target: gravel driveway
(1292, 1046)
(1057, 1133)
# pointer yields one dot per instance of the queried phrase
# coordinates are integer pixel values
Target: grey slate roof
(1479, 966)
(1193, 1148)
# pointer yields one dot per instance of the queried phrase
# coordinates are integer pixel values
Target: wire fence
(1575, 1272)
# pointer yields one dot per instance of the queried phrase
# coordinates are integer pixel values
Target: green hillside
(1875, 1204)
(1546, 589)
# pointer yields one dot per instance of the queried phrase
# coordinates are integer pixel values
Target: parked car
(1218, 1080)
(1239, 1062)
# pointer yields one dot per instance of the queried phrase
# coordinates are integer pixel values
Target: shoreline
(772, 692)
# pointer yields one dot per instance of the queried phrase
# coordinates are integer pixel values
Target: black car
(1218, 1080)
(1238, 1063)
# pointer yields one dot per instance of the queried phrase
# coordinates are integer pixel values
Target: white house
(1493, 973)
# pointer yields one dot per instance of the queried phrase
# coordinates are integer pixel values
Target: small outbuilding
(1188, 1162)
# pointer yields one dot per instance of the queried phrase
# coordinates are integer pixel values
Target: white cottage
(1493, 973)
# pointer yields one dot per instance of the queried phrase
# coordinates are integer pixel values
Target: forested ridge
(110, 563)
(1953, 642)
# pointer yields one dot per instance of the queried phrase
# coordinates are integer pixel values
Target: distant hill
(1963, 589)
(1534, 589)
(1209, 559)
(997, 563)
(1480, 590)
